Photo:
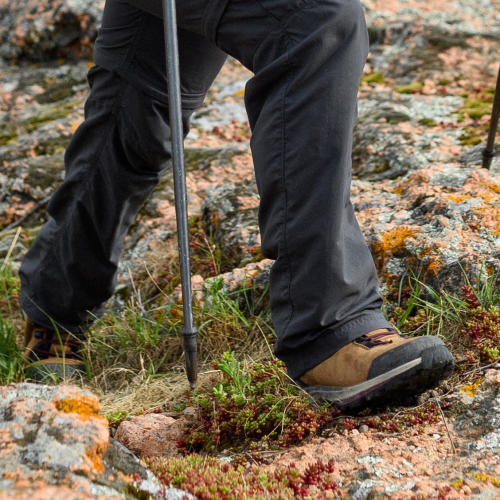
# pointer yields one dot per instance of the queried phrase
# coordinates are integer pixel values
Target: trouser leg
(113, 162)
(307, 57)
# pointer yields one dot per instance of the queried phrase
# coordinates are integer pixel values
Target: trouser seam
(285, 195)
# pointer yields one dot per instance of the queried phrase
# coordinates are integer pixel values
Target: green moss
(57, 91)
(476, 107)
(470, 137)
(382, 167)
(48, 114)
(427, 122)
(197, 158)
(411, 88)
(7, 135)
(444, 81)
(51, 146)
(376, 77)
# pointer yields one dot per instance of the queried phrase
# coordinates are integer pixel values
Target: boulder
(55, 444)
(150, 435)
(433, 222)
(41, 31)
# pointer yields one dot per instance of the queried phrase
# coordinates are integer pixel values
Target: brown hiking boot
(381, 366)
(51, 353)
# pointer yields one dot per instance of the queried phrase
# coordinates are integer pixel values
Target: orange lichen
(491, 185)
(434, 267)
(394, 240)
(95, 457)
(84, 406)
(488, 218)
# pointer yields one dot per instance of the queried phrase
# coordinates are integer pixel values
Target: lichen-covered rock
(40, 31)
(246, 285)
(230, 212)
(43, 107)
(55, 444)
(434, 222)
(393, 135)
(454, 458)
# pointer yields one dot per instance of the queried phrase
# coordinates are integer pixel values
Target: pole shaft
(177, 137)
(489, 151)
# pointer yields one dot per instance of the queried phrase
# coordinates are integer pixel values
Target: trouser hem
(330, 342)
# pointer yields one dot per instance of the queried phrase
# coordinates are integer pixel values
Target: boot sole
(409, 379)
(41, 371)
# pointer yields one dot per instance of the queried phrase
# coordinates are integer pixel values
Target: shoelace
(50, 345)
(375, 339)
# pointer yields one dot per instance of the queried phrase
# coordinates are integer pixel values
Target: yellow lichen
(484, 478)
(456, 484)
(492, 185)
(471, 389)
(458, 198)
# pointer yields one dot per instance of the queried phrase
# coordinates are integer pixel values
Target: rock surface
(54, 444)
(422, 199)
(150, 435)
(41, 31)
(423, 462)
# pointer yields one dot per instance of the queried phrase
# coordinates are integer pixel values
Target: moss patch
(411, 88)
(427, 122)
(470, 137)
(7, 135)
(48, 114)
(376, 78)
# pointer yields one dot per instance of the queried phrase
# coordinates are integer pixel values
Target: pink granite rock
(150, 435)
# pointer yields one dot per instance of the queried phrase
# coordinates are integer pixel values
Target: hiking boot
(381, 366)
(51, 353)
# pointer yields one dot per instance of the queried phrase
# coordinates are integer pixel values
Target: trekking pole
(189, 332)
(489, 150)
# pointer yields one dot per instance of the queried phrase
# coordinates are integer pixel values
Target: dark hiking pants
(307, 57)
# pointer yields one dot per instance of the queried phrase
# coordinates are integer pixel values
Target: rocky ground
(422, 199)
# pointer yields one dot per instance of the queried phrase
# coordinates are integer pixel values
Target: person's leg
(112, 164)
(308, 56)
(307, 59)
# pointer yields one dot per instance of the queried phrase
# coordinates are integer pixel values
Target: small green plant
(11, 360)
(469, 320)
(258, 404)
(482, 325)
(115, 418)
(211, 479)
